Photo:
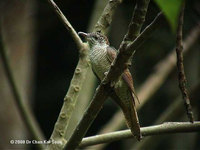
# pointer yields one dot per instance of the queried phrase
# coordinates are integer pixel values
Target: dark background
(56, 57)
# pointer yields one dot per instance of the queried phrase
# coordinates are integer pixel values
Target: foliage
(171, 9)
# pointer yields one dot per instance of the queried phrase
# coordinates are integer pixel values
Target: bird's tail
(132, 121)
(130, 113)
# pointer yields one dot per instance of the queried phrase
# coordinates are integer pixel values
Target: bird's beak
(83, 34)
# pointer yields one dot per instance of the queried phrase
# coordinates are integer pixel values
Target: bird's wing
(128, 108)
(126, 76)
(112, 53)
(129, 80)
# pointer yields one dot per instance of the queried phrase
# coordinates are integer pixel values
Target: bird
(101, 56)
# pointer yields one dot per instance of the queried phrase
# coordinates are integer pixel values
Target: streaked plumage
(101, 56)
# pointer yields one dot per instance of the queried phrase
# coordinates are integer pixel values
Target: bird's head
(95, 38)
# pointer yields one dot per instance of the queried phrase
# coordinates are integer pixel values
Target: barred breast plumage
(99, 61)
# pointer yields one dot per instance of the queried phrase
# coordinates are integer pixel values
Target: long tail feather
(130, 114)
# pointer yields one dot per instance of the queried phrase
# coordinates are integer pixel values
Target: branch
(103, 91)
(116, 122)
(107, 12)
(155, 80)
(127, 50)
(106, 17)
(24, 110)
(146, 33)
(90, 81)
(164, 68)
(180, 67)
(173, 111)
(165, 128)
(77, 81)
(138, 18)
(60, 128)
(66, 23)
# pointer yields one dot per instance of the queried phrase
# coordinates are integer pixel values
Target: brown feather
(129, 80)
(112, 53)
(130, 114)
(126, 76)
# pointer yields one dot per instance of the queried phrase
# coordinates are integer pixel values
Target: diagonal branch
(79, 75)
(165, 128)
(180, 66)
(139, 40)
(75, 85)
(105, 19)
(115, 122)
(101, 10)
(66, 23)
(139, 14)
(155, 80)
(116, 69)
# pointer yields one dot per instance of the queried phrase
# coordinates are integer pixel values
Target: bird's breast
(99, 61)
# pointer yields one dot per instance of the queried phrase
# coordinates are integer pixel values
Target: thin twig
(67, 24)
(165, 128)
(138, 41)
(155, 80)
(77, 81)
(103, 90)
(172, 112)
(127, 50)
(24, 110)
(180, 67)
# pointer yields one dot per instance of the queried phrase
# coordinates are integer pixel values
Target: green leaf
(171, 9)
